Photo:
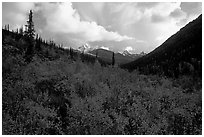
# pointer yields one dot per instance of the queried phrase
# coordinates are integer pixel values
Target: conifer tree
(17, 30)
(5, 27)
(38, 43)
(21, 30)
(8, 27)
(113, 59)
(30, 34)
(71, 53)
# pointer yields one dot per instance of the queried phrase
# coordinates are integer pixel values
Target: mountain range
(106, 55)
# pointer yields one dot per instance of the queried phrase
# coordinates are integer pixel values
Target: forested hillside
(181, 54)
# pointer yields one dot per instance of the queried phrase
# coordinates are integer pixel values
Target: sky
(116, 26)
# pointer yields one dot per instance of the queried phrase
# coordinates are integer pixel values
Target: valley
(51, 90)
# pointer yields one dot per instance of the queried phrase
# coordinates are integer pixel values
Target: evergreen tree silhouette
(113, 59)
(17, 31)
(21, 30)
(71, 53)
(38, 43)
(30, 34)
(8, 27)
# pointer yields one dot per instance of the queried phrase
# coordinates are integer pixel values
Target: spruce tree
(17, 31)
(71, 53)
(30, 34)
(38, 43)
(8, 27)
(113, 59)
(21, 30)
(30, 31)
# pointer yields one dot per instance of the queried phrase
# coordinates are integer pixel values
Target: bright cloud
(62, 18)
(129, 48)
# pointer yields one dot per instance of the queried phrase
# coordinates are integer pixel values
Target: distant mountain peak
(84, 48)
(126, 53)
(105, 48)
(142, 53)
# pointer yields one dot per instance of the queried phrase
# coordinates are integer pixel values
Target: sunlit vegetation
(54, 94)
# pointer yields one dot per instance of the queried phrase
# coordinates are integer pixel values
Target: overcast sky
(136, 27)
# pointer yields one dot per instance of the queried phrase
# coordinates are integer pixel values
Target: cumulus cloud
(147, 4)
(90, 11)
(129, 48)
(138, 19)
(158, 18)
(191, 7)
(62, 18)
(178, 13)
(127, 13)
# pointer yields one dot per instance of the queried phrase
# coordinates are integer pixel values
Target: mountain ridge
(175, 53)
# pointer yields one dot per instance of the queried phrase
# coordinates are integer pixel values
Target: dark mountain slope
(180, 54)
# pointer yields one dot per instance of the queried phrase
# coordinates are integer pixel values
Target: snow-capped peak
(84, 48)
(126, 53)
(142, 53)
(106, 48)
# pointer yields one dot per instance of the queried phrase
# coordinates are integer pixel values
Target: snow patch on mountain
(126, 53)
(106, 48)
(84, 48)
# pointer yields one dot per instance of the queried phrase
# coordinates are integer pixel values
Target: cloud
(129, 48)
(192, 10)
(192, 7)
(127, 13)
(178, 13)
(62, 18)
(142, 26)
(90, 11)
(158, 18)
(147, 4)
